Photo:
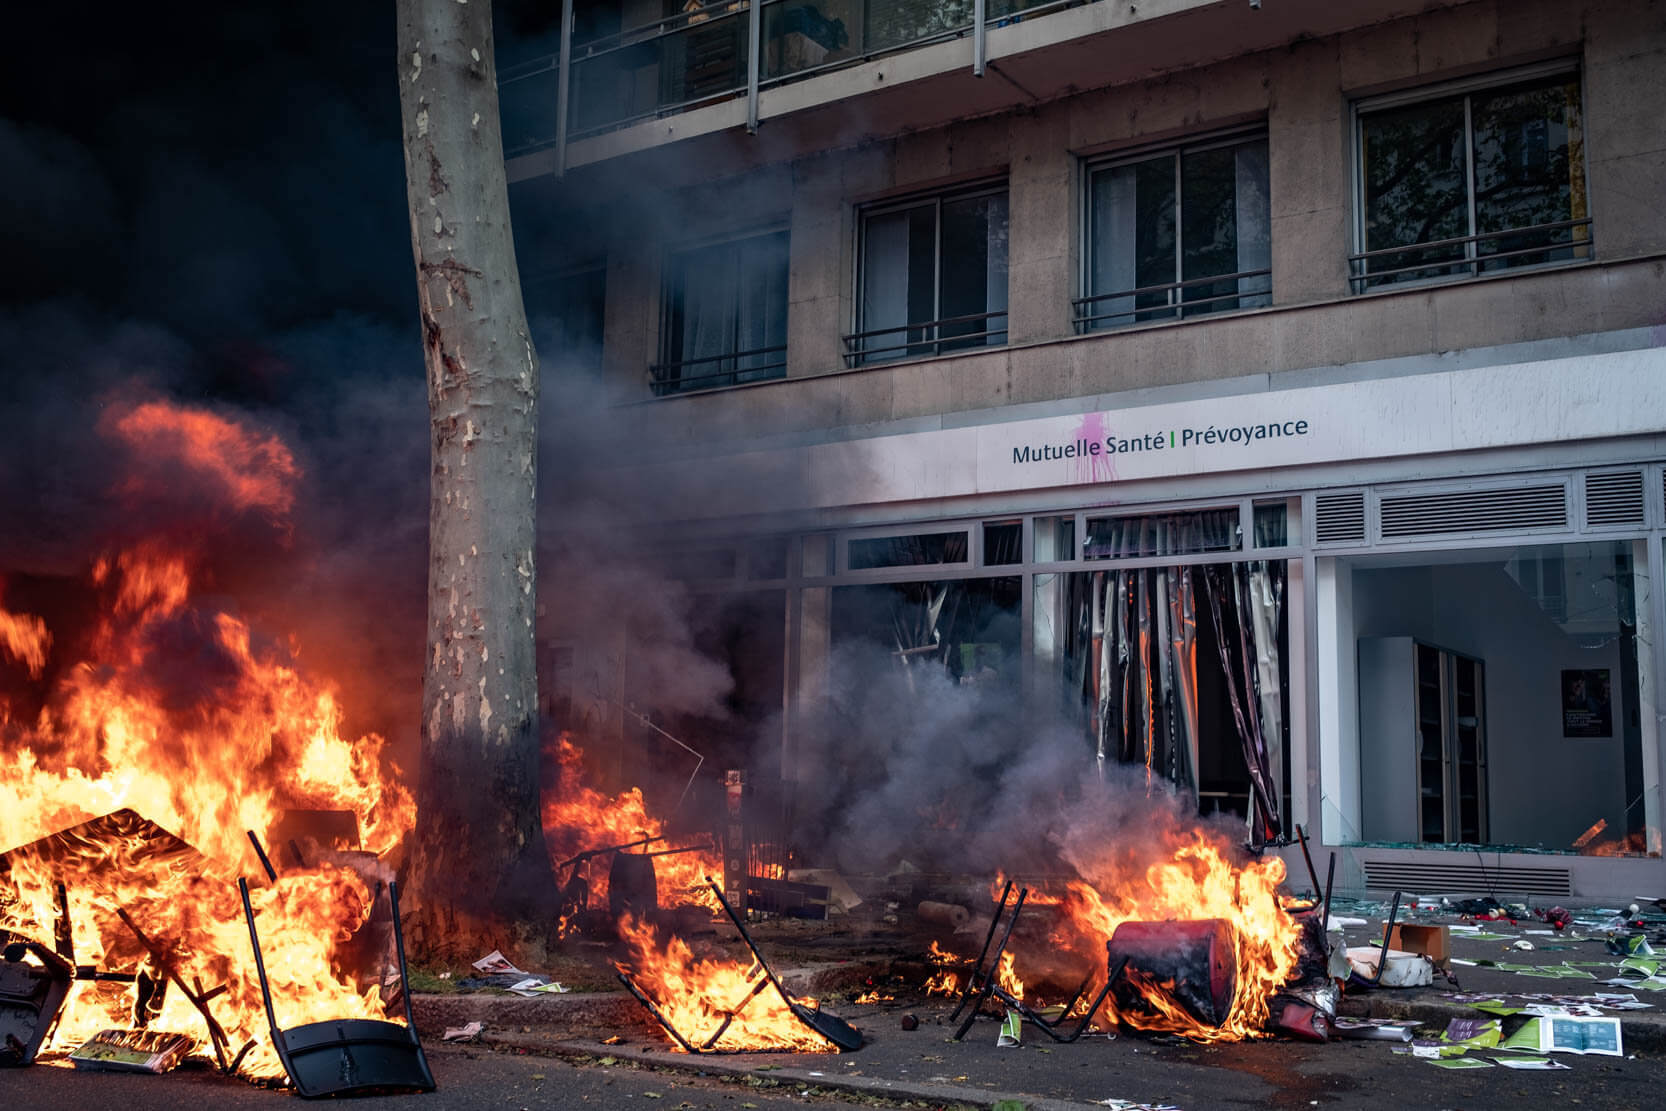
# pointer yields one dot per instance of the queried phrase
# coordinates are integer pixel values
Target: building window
(724, 320)
(1474, 181)
(1177, 234)
(933, 277)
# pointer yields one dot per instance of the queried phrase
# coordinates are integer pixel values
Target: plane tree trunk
(477, 865)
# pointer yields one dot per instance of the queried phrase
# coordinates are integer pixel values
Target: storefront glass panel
(1504, 699)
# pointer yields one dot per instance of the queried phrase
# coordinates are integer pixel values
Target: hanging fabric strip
(1183, 638)
(1266, 605)
(1219, 583)
(1102, 673)
(1141, 582)
(1165, 678)
(1255, 754)
(1125, 748)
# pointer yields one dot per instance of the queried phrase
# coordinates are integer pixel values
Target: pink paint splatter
(1094, 468)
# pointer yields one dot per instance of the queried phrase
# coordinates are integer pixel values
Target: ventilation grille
(1468, 879)
(1614, 498)
(1532, 507)
(1339, 518)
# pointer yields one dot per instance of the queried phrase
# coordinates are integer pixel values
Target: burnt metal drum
(1194, 963)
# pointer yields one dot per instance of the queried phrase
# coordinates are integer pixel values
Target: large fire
(1193, 878)
(178, 712)
(699, 997)
(578, 818)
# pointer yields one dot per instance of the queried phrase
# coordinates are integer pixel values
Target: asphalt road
(921, 1071)
(469, 1080)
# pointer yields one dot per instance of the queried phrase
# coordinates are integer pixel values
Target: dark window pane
(1154, 262)
(908, 551)
(1272, 525)
(922, 274)
(761, 315)
(1160, 534)
(1003, 543)
(898, 280)
(1209, 224)
(974, 272)
(723, 304)
(1415, 188)
(1528, 170)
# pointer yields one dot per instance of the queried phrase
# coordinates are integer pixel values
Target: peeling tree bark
(478, 860)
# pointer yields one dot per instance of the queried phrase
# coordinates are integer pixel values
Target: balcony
(842, 72)
(702, 54)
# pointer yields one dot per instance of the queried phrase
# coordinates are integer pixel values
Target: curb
(785, 1075)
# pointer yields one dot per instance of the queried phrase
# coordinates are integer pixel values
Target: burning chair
(351, 1056)
(840, 1033)
(983, 981)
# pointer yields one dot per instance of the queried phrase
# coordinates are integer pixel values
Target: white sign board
(1550, 401)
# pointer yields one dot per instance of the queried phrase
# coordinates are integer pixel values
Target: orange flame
(180, 713)
(25, 639)
(578, 818)
(697, 995)
(251, 470)
(1198, 881)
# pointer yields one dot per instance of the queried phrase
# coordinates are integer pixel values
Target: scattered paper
(536, 985)
(153, 1051)
(1473, 1033)
(1133, 1105)
(496, 964)
(1462, 1063)
(1373, 1029)
(1533, 1063)
(1012, 1030)
(1580, 1035)
(466, 1033)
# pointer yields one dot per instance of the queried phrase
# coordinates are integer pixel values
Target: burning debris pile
(591, 836)
(139, 747)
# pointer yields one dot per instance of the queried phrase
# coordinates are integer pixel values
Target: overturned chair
(349, 1056)
(982, 983)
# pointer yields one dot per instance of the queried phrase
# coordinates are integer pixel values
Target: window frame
(659, 379)
(1359, 280)
(1082, 318)
(856, 354)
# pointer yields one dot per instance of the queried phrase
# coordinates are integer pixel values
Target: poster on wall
(1586, 709)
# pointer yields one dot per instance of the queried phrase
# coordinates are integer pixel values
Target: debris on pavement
(152, 1051)
(468, 1033)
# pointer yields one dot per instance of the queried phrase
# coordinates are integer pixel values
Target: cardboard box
(1435, 942)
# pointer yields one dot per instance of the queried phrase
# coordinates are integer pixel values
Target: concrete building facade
(1318, 348)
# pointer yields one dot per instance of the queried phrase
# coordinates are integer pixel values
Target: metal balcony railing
(1471, 255)
(933, 337)
(1173, 300)
(716, 371)
(694, 57)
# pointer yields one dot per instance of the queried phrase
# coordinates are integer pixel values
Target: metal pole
(980, 10)
(754, 40)
(564, 79)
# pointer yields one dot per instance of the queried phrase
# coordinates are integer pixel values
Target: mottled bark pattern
(478, 851)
